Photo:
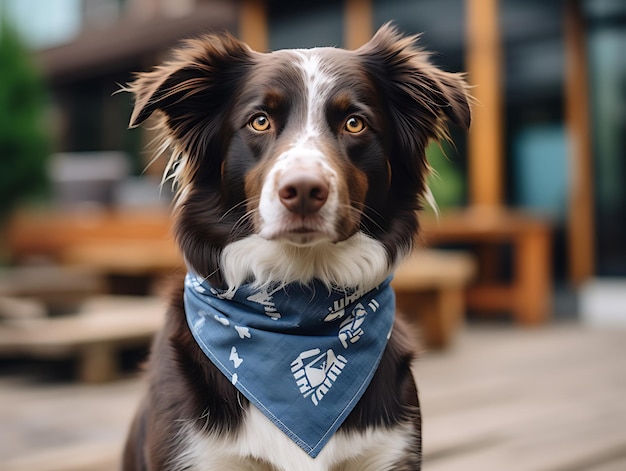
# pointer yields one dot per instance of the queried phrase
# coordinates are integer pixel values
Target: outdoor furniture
(430, 284)
(52, 233)
(131, 267)
(94, 335)
(528, 295)
(430, 288)
(58, 289)
(130, 249)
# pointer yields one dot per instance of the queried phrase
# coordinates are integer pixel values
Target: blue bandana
(302, 354)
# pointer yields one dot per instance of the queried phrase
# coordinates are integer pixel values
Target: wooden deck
(502, 399)
(527, 400)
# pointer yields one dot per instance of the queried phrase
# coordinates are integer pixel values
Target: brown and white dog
(290, 166)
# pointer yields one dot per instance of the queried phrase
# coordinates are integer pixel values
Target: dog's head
(299, 158)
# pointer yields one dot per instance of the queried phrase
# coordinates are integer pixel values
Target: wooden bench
(528, 295)
(430, 288)
(59, 289)
(103, 326)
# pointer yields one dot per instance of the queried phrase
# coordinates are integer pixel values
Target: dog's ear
(193, 83)
(420, 95)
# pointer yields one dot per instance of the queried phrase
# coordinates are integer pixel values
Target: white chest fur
(260, 446)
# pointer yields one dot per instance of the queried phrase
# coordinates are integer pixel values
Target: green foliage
(446, 181)
(24, 140)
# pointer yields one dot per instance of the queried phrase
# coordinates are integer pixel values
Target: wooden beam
(581, 218)
(485, 165)
(358, 23)
(253, 28)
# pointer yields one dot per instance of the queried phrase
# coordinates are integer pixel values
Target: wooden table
(130, 248)
(430, 287)
(54, 233)
(528, 296)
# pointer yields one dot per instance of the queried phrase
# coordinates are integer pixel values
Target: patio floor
(549, 399)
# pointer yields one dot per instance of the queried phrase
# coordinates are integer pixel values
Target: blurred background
(518, 296)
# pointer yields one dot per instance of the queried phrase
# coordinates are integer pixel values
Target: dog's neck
(358, 262)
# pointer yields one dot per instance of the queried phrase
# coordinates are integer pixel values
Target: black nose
(303, 192)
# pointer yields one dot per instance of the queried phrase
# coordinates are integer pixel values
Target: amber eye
(260, 123)
(354, 125)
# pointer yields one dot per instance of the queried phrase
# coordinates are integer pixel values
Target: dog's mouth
(309, 231)
(303, 236)
(301, 231)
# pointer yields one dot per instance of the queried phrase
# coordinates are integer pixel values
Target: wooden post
(97, 363)
(533, 277)
(253, 24)
(357, 23)
(580, 221)
(485, 165)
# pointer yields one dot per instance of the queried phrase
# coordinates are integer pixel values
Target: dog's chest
(260, 446)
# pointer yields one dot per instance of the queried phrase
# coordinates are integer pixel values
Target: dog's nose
(303, 192)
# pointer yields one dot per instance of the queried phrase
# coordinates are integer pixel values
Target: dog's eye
(354, 125)
(260, 123)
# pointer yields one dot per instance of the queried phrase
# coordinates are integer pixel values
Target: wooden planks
(549, 399)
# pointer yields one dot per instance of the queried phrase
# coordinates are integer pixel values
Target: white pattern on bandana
(288, 352)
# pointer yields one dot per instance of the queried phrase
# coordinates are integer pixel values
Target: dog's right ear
(188, 88)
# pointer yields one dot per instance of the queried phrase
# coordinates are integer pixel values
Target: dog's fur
(290, 166)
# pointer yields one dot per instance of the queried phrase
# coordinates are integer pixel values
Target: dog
(298, 175)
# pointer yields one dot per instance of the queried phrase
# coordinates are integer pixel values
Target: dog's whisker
(363, 214)
(239, 225)
(239, 401)
(212, 274)
(245, 202)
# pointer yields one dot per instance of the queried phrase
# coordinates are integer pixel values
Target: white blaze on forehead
(318, 83)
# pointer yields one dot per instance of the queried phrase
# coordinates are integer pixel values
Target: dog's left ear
(420, 95)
